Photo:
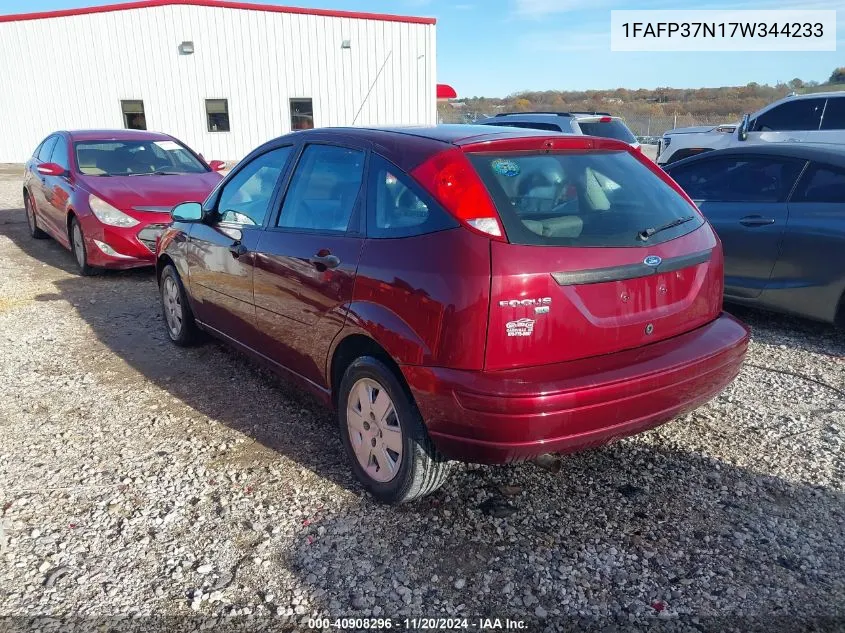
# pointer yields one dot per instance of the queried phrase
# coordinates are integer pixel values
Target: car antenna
(372, 85)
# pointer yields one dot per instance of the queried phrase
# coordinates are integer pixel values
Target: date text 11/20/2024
(417, 624)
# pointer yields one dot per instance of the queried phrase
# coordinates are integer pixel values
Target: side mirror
(51, 169)
(742, 130)
(187, 212)
(217, 165)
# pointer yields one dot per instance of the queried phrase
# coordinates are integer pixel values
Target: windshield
(604, 198)
(136, 158)
(608, 129)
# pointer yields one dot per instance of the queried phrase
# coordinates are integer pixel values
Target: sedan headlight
(107, 214)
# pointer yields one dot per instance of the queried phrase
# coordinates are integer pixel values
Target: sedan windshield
(136, 158)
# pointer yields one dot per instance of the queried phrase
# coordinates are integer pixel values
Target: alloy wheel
(78, 245)
(172, 306)
(30, 214)
(374, 430)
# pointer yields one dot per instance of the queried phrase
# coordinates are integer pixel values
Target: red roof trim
(226, 4)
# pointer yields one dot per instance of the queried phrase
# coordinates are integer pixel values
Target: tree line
(727, 101)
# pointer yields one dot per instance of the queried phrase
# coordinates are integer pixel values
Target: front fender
(171, 245)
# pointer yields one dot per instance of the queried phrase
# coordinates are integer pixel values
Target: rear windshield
(582, 199)
(611, 129)
(135, 158)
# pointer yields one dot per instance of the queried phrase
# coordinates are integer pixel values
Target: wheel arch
(350, 347)
(71, 216)
(161, 262)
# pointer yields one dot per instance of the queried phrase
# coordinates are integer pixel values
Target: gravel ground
(138, 479)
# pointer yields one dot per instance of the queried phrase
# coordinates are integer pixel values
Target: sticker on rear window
(168, 146)
(504, 167)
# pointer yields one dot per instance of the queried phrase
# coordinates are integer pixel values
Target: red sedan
(106, 194)
(459, 292)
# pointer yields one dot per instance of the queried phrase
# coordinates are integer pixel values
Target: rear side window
(834, 114)
(801, 114)
(822, 184)
(582, 198)
(324, 189)
(739, 179)
(46, 149)
(529, 125)
(398, 207)
(608, 129)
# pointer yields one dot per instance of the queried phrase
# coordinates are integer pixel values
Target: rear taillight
(605, 119)
(452, 180)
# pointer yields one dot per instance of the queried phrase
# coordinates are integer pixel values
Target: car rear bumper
(513, 415)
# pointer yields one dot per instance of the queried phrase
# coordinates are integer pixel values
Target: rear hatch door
(602, 255)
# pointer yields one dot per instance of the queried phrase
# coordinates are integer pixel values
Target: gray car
(780, 212)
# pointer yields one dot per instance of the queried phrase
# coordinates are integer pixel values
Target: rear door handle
(329, 261)
(237, 249)
(756, 220)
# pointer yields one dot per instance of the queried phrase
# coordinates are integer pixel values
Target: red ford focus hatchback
(106, 194)
(459, 292)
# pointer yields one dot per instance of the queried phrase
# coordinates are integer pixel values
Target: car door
(744, 198)
(57, 189)
(221, 251)
(792, 121)
(307, 260)
(833, 121)
(39, 185)
(811, 267)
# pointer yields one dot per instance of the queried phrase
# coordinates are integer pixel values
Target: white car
(810, 118)
(588, 123)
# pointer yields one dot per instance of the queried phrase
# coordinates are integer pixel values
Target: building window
(133, 115)
(217, 113)
(301, 114)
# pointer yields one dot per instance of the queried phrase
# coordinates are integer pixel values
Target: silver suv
(588, 123)
(809, 118)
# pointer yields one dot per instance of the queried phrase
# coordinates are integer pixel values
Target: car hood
(699, 129)
(151, 193)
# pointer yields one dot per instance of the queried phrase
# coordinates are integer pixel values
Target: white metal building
(221, 76)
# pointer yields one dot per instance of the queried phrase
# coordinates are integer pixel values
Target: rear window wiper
(647, 233)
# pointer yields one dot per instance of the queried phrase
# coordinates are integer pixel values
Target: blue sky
(498, 47)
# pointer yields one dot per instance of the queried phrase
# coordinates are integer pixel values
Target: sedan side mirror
(217, 165)
(188, 212)
(51, 169)
(742, 130)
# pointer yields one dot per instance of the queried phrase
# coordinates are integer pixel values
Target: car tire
(31, 219)
(178, 318)
(392, 455)
(79, 250)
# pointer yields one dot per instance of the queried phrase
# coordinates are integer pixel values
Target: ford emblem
(652, 260)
